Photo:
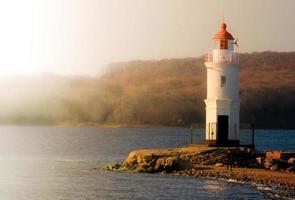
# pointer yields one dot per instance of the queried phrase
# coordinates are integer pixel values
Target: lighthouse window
(223, 44)
(223, 81)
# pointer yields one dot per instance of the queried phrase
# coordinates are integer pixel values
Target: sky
(80, 37)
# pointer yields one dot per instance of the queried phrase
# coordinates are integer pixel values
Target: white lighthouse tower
(223, 101)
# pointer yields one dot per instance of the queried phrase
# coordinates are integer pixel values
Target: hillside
(163, 92)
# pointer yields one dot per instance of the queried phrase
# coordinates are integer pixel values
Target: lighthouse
(223, 100)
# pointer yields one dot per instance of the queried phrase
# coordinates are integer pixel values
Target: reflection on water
(65, 163)
(213, 186)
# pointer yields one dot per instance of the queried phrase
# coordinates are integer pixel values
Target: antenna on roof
(236, 42)
(222, 10)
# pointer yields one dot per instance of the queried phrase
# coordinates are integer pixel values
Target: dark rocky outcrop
(246, 165)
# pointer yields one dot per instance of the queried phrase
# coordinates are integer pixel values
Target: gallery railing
(219, 58)
(246, 133)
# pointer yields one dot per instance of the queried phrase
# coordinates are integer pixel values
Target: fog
(80, 37)
(55, 57)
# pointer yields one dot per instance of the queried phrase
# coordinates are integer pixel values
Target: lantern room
(223, 39)
(224, 48)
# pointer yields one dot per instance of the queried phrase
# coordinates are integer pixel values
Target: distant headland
(166, 92)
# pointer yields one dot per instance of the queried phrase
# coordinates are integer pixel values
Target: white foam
(264, 188)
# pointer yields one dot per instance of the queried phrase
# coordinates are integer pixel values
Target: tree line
(168, 92)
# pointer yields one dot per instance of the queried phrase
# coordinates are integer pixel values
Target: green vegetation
(165, 92)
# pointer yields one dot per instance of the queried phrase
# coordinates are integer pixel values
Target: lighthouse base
(228, 143)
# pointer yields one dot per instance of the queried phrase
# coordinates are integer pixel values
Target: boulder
(115, 167)
(109, 167)
(242, 148)
(274, 168)
(280, 163)
(249, 150)
(268, 163)
(171, 161)
(140, 159)
(260, 160)
(160, 163)
(219, 164)
(291, 161)
(290, 169)
(147, 158)
(132, 158)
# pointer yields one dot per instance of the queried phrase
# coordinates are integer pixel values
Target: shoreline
(115, 125)
(201, 161)
(270, 187)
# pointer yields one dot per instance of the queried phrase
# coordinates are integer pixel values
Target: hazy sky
(79, 37)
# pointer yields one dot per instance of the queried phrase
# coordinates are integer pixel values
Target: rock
(280, 163)
(274, 168)
(117, 166)
(148, 157)
(109, 167)
(139, 159)
(145, 165)
(267, 163)
(171, 161)
(290, 169)
(159, 164)
(219, 164)
(112, 167)
(291, 161)
(260, 160)
(150, 169)
(132, 158)
(242, 148)
(140, 169)
(127, 168)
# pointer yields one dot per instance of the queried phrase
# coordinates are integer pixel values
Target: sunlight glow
(80, 37)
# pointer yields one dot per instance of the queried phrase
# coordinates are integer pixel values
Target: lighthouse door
(222, 129)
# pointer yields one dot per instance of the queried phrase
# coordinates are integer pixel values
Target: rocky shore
(275, 177)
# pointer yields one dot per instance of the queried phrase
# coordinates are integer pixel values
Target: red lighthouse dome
(223, 34)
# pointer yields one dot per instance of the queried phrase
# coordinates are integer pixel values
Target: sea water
(40, 163)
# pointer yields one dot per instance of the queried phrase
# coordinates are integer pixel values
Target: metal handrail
(246, 133)
(234, 58)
